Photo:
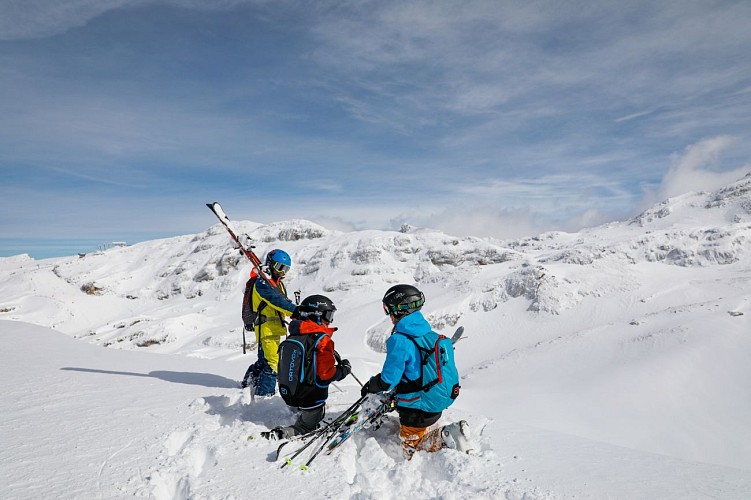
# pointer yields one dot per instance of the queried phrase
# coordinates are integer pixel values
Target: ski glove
(343, 369)
(373, 386)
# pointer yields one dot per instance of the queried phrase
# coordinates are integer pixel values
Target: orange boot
(419, 439)
(432, 441)
(410, 437)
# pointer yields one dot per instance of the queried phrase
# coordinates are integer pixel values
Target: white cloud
(486, 222)
(23, 19)
(696, 169)
(39, 18)
(334, 223)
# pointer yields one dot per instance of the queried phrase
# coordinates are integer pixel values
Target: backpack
(438, 385)
(296, 370)
(250, 317)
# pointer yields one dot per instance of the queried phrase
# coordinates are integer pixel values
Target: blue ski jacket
(402, 356)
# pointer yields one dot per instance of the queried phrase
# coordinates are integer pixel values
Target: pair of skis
(321, 437)
(216, 208)
(368, 419)
(247, 251)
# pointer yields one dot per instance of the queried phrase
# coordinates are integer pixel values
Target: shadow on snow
(189, 378)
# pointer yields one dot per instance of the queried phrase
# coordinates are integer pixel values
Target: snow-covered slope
(80, 421)
(632, 335)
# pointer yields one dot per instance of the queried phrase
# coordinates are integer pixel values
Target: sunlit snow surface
(610, 363)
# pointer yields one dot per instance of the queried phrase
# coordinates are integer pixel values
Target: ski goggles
(279, 268)
(409, 306)
(328, 316)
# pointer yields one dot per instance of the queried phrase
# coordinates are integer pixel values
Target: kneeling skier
(420, 368)
(307, 365)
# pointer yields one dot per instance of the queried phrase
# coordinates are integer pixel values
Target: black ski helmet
(401, 300)
(317, 308)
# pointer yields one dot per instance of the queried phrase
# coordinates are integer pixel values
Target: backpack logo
(297, 365)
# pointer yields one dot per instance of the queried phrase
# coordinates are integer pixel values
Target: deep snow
(610, 363)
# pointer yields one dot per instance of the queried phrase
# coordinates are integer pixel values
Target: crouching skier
(307, 365)
(420, 368)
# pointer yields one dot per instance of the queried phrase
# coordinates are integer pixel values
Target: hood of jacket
(413, 324)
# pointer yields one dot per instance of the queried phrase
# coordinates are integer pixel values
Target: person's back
(307, 363)
(403, 372)
(429, 380)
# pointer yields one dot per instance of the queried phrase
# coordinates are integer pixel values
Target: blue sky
(120, 119)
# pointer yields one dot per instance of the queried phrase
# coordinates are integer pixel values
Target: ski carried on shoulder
(248, 252)
(216, 208)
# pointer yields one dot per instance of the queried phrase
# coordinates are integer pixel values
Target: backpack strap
(425, 353)
(310, 343)
(260, 319)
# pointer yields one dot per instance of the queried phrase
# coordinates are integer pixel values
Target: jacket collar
(306, 326)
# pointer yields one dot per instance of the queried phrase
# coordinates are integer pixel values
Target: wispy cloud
(524, 115)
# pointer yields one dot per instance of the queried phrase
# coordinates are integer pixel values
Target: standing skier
(305, 385)
(410, 350)
(265, 306)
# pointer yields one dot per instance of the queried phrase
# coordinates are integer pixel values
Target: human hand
(345, 366)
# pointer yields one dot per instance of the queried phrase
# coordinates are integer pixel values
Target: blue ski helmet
(278, 261)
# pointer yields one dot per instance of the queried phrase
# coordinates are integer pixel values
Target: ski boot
(456, 436)
(249, 381)
(275, 434)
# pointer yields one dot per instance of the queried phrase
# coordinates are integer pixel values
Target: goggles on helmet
(279, 268)
(399, 308)
(328, 316)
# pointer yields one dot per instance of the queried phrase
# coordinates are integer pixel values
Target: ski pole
(331, 436)
(356, 379)
(327, 433)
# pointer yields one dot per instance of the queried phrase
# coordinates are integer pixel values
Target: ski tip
(303, 467)
(250, 438)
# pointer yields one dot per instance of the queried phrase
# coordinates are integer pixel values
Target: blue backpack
(438, 385)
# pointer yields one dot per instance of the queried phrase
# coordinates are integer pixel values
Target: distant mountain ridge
(145, 280)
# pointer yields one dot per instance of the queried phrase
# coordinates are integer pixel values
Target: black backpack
(249, 315)
(296, 370)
